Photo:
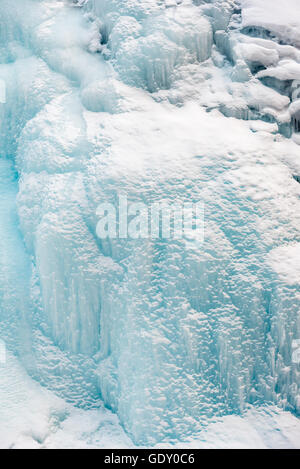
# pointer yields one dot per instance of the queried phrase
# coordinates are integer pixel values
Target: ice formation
(168, 100)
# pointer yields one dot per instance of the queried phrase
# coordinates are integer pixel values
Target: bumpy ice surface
(187, 344)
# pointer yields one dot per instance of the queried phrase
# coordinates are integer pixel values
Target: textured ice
(274, 16)
(109, 97)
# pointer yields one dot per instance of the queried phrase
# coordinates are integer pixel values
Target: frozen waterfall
(160, 100)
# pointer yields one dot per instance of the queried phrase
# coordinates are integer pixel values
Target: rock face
(173, 101)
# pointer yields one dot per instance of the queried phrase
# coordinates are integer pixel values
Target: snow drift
(158, 100)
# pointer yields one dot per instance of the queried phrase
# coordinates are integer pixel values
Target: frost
(172, 101)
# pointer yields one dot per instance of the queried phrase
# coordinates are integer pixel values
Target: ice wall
(124, 97)
(146, 41)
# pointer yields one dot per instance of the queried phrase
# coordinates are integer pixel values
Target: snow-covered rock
(110, 97)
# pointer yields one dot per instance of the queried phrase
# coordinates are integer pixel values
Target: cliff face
(162, 102)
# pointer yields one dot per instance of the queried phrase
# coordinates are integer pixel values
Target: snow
(188, 343)
(32, 417)
(285, 261)
(281, 18)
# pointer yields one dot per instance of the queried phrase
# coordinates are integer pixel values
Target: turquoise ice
(158, 100)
